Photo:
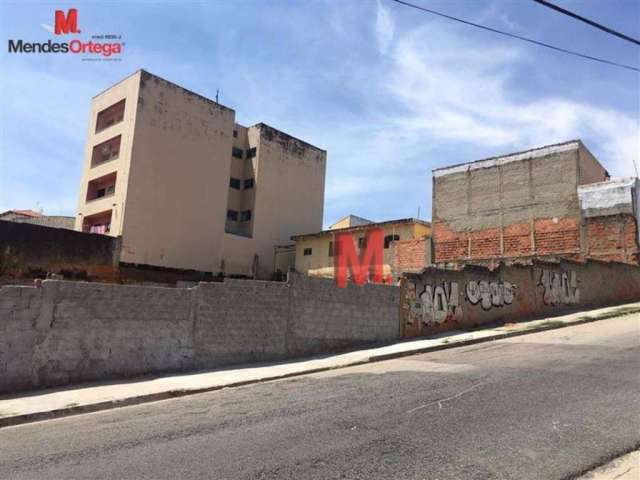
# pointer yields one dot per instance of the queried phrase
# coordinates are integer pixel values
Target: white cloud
(438, 90)
(384, 28)
(495, 13)
(506, 19)
(461, 92)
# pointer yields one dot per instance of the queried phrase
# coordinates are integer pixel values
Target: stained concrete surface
(542, 406)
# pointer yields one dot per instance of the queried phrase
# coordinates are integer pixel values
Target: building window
(101, 187)
(237, 152)
(234, 183)
(251, 152)
(331, 249)
(105, 151)
(98, 223)
(245, 216)
(248, 183)
(232, 215)
(110, 116)
(362, 242)
(307, 252)
(235, 134)
(390, 238)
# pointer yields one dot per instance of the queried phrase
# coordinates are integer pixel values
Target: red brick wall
(517, 239)
(551, 237)
(449, 244)
(485, 243)
(410, 255)
(613, 238)
(556, 236)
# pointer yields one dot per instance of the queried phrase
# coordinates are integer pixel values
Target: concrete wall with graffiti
(438, 300)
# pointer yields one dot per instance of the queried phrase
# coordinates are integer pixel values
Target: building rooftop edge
(614, 182)
(360, 227)
(511, 157)
(260, 125)
(26, 213)
(207, 99)
(142, 72)
(351, 215)
(118, 82)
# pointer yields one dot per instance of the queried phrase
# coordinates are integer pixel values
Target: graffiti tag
(559, 287)
(490, 294)
(440, 302)
(435, 304)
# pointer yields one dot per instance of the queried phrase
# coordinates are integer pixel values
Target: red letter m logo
(368, 263)
(68, 23)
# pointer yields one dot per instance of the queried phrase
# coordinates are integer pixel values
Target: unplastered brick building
(611, 212)
(555, 200)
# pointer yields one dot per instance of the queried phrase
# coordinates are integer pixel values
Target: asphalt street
(548, 405)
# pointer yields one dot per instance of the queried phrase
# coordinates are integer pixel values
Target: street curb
(497, 336)
(154, 397)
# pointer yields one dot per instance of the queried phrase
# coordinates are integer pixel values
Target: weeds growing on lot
(548, 324)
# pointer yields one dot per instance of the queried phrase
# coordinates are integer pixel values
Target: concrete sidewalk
(626, 467)
(51, 403)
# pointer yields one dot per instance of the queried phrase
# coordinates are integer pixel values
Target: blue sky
(388, 91)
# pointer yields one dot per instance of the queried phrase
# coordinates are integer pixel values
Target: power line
(525, 39)
(586, 20)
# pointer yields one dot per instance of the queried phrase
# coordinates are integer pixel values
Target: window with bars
(390, 238)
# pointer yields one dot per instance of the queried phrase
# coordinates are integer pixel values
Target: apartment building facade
(403, 238)
(527, 204)
(186, 187)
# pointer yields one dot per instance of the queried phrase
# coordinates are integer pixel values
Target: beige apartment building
(315, 252)
(184, 186)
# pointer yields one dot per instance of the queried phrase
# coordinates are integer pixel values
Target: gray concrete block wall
(69, 332)
(320, 312)
(19, 310)
(240, 321)
(542, 187)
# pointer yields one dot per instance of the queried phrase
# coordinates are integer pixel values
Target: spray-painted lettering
(490, 294)
(434, 304)
(559, 287)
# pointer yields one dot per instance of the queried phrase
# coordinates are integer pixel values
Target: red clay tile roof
(26, 213)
